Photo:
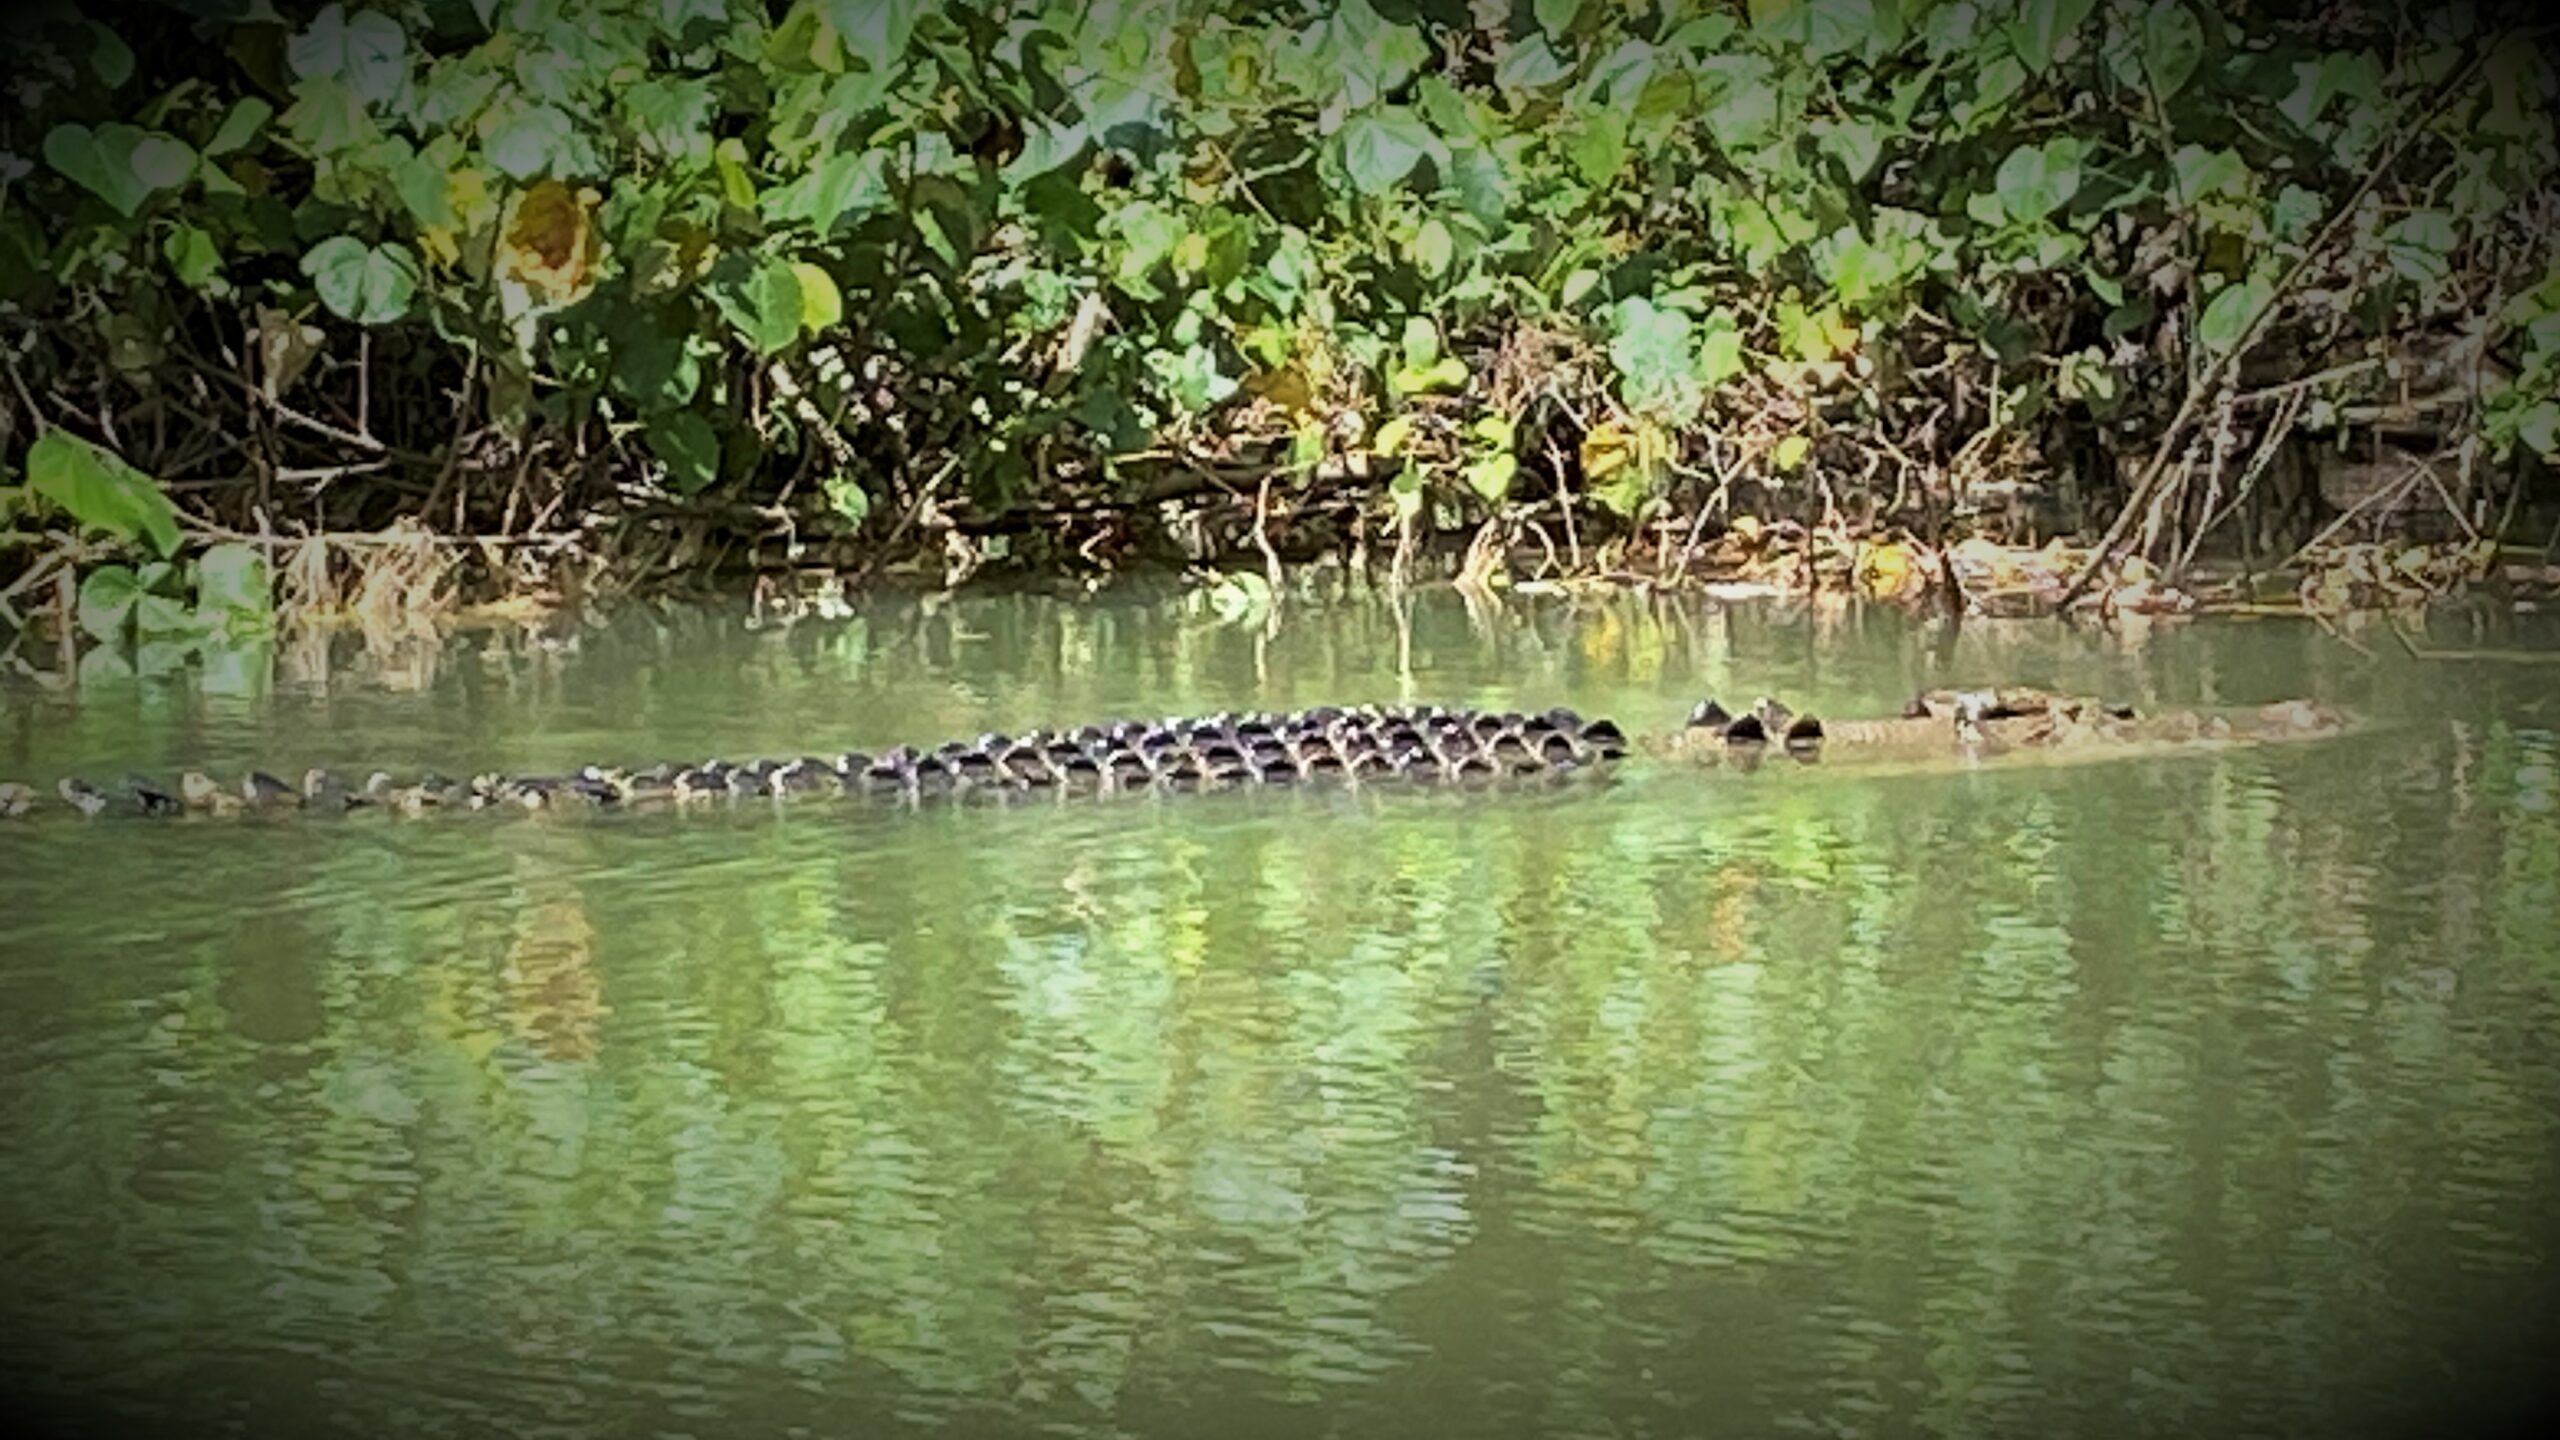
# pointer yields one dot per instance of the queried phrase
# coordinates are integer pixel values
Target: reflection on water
(2202, 1096)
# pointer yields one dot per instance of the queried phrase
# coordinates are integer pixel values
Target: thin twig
(2157, 471)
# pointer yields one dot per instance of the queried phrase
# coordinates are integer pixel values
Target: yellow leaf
(1790, 454)
(1888, 569)
(821, 303)
(1605, 450)
(1392, 435)
(467, 191)
(549, 245)
(1286, 387)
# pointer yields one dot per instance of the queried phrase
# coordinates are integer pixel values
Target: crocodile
(1358, 745)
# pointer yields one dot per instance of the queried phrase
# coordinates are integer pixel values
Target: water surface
(2202, 1096)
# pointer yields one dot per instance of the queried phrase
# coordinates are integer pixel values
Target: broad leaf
(1528, 65)
(110, 59)
(1363, 54)
(2042, 28)
(1655, 353)
(368, 284)
(2172, 46)
(876, 30)
(2201, 172)
(365, 50)
(100, 491)
(2420, 246)
(1380, 148)
(163, 162)
(653, 364)
(760, 300)
(2228, 316)
(101, 162)
(821, 303)
(1597, 146)
(105, 605)
(690, 448)
(847, 499)
(1046, 147)
(848, 182)
(247, 116)
(1434, 248)
(192, 257)
(2037, 180)
(532, 142)
(232, 579)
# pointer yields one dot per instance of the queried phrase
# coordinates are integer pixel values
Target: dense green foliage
(1019, 268)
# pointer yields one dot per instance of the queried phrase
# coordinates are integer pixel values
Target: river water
(2215, 1095)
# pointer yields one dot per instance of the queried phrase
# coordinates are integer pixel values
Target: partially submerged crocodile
(1415, 745)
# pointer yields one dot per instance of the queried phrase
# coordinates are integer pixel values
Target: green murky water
(2211, 1096)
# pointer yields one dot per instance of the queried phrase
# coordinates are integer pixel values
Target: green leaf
(2037, 180)
(1406, 491)
(1948, 29)
(1434, 249)
(1789, 456)
(876, 30)
(424, 188)
(1046, 147)
(110, 59)
(847, 499)
(368, 284)
(105, 606)
(1821, 28)
(2539, 428)
(652, 357)
(2172, 47)
(532, 143)
(672, 118)
(232, 579)
(1656, 355)
(163, 162)
(329, 117)
(1528, 65)
(1365, 56)
(2297, 213)
(365, 50)
(163, 617)
(1380, 148)
(2233, 309)
(760, 300)
(247, 116)
(1597, 146)
(1556, 16)
(1491, 476)
(848, 182)
(1719, 351)
(2420, 246)
(2042, 27)
(100, 162)
(193, 259)
(98, 490)
(821, 303)
(2200, 172)
(1742, 103)
(689, 447)
(1421, 342)
(1858, 144)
